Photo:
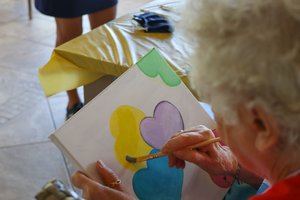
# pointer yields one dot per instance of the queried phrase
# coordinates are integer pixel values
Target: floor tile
(23, 55)
(125, 7)
(12, 9)
(24, 111)
(34, 30)
(25, 169)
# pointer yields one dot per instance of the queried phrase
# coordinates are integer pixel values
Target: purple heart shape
(166, 121)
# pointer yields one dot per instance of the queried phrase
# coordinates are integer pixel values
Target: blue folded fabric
(240, 192)
(153, 23)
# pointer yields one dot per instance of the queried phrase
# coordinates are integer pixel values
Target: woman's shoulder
(285, 189)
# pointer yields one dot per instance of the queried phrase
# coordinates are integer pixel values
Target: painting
(136, 115)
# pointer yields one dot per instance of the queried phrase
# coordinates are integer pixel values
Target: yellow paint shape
(124, 126)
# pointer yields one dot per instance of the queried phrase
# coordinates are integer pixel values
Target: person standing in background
(68, 17)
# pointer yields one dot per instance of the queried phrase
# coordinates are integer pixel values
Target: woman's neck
(284, 166)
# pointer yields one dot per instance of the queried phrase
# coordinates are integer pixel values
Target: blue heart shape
(158, 181)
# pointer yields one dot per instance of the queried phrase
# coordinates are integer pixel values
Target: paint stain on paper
(136, 135)
(158, 181)
(153, 65)
(124, 126)
(166, 121)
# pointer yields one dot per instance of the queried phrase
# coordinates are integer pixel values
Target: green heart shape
(153, 64)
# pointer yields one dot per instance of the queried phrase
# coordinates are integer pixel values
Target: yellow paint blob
(124, 126)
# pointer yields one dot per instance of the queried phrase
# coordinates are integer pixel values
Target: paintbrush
(160, 154)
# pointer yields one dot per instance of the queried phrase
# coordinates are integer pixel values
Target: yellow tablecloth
(111, 49)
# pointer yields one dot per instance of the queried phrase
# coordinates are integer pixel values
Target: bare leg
(102, 17)
(97, 19)
(68, 29)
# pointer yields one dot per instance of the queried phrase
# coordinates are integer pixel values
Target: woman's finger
(108, 177)
(80, 180)
(180, 163)
(184, 140)
(193, 156)
(172, 160)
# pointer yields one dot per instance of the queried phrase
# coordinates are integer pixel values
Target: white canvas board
(87, 136)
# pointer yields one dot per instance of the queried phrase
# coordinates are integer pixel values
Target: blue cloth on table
(153, 23)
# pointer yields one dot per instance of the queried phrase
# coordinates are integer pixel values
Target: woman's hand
(110, 189)
(215, 159)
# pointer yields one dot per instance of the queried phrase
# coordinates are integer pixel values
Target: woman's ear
(267, 131)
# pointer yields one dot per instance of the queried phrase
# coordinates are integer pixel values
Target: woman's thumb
(79, 179)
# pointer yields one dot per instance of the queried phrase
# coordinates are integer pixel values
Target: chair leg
(29, 10)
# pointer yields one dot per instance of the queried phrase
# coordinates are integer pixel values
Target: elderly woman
(247, 66)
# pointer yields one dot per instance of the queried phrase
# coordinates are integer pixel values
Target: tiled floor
(27, 158)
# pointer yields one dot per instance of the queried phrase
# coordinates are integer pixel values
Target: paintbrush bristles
(144, 158)
(159, 154)
(131, 159)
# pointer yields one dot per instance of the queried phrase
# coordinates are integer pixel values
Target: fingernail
(100, 163)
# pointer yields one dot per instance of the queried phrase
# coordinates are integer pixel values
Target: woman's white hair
(248, 51)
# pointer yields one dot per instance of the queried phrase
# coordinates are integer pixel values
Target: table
(108, 51)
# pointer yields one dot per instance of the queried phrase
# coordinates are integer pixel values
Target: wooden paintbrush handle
(149, 157)
(160, 154)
